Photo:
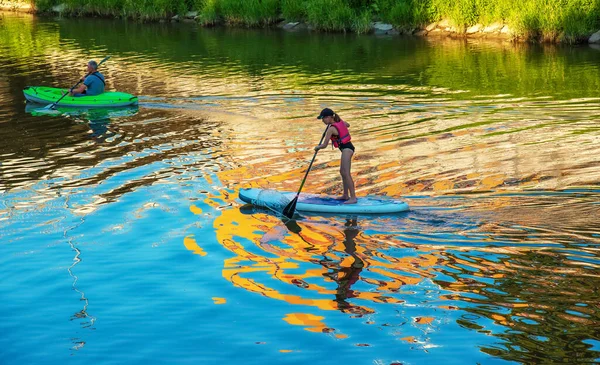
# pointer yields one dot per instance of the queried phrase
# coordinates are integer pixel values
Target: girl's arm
(326, 139)
(347, 124)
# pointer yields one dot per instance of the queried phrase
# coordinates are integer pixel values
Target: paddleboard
(321, 203)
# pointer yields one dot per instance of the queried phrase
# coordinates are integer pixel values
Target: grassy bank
(545, 20)
(542, 20)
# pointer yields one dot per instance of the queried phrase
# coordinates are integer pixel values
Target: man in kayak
(93, 82)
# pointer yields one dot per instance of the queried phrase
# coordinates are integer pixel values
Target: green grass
(294, 10)
(545, 20)
(210, 11)
(249, 12)
(541, 20)
(329, 15)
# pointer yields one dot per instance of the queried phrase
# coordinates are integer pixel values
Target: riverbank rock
(443, 23)
(383, 28)
(191, 15)
(493, 28)
(293, 26)
(595, 38)
(474, 29)
(431, 27)
(290, 25)
(445, 28)
(60, 8)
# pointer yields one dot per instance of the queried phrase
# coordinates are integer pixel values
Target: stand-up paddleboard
(321, 203)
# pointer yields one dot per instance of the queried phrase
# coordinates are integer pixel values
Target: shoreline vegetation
(546, 21)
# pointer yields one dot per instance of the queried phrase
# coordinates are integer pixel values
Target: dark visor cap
(326, 113)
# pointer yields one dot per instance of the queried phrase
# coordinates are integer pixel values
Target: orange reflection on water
(312, 259)
(424, 320)
(233, 228)
(341, 268)
(196, 210)
(218, 300)
(190, 243)
(313, 323)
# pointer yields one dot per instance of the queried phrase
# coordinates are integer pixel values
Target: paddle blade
(290, 209)
(45, 111)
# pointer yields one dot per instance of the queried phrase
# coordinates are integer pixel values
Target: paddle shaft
(311, 163)
(74, 86)
(289, 209)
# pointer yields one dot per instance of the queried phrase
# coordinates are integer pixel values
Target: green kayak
(48, 95)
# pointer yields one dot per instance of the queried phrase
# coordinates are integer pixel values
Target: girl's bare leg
(345, 167)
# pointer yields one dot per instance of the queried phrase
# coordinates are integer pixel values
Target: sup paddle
(289, 209)
(51, 106)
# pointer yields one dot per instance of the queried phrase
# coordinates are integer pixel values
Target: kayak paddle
(289, 209)
(51, 106)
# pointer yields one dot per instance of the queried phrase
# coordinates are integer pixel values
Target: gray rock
(295, 27)
(505, 30)
(175, 18)
(59, 8)
(493, 28)
(474, 29)
(382, 27)
(431, 27)
(444, 23)
(191, 14)
(290, 25)
(595, 38)
(301, 26)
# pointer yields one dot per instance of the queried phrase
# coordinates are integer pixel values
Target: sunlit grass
(329, 15)
(564, 20)
(557, 20)
(250, 12)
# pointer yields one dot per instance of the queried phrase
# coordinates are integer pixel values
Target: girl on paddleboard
(339, 135)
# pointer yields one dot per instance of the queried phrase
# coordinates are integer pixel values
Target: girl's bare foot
(343, 197)
(351, 201)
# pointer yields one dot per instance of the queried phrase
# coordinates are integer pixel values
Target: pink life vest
(344, 134)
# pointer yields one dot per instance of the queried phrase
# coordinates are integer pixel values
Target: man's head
(92, 66)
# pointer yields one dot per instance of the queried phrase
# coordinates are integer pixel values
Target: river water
(122, 239)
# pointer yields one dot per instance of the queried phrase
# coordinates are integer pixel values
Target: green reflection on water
(474, 67)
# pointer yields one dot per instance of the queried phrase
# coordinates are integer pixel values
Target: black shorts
(346, 145)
